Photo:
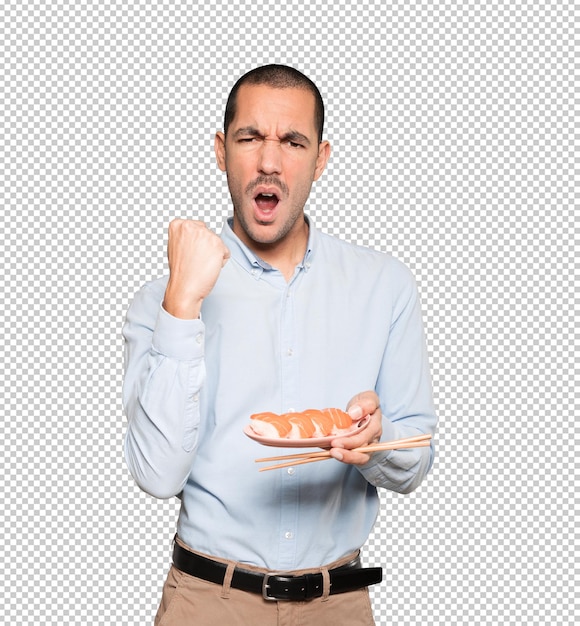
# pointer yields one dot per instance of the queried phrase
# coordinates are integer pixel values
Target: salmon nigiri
(270, 425)
(301, 425)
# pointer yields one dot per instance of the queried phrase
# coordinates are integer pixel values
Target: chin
(263, 238)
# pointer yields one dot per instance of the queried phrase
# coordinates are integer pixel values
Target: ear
(322, 159)
(219, 146)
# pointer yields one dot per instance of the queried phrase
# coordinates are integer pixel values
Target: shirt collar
(253, 263)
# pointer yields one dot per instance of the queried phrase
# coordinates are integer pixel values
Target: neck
(284, 254)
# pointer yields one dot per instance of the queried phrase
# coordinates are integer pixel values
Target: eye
(249, 139)
(293, 144)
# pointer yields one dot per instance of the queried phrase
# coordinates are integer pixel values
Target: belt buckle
(266, 586)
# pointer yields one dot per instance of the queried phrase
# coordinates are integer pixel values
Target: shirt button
(288, 534)
(291, 471)
(199, 337)
(195, 397)
(290, 352)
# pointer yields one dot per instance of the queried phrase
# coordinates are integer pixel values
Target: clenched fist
(196, 256)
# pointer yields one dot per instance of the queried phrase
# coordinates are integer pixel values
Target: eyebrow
(291, 135)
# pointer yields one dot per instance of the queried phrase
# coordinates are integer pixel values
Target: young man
(272, 315)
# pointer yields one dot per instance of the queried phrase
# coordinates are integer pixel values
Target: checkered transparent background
(453, 137)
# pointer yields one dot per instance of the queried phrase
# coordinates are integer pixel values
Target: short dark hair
(278, 77)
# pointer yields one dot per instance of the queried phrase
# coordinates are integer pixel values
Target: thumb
(355, 411)
(363, 404)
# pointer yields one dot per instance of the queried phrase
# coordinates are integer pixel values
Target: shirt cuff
(178, 338)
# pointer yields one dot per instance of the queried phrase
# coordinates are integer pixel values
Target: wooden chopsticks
(419, 441)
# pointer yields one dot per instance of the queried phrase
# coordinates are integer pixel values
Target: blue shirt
(348, 321)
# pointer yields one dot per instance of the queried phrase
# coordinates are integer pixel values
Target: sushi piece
(270, 425)
(307, 424)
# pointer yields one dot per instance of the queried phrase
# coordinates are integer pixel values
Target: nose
(270, 160)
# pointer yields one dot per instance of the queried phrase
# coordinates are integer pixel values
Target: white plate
(309, 442)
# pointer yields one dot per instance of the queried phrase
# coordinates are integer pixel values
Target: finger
(364, 403)
(349, 457)
(371, 434)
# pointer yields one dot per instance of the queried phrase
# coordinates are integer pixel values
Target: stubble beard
(250, 229)
(246, 221)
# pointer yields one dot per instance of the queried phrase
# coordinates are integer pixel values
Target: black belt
(276, 585)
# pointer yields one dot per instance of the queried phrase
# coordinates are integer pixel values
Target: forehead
(272, 109)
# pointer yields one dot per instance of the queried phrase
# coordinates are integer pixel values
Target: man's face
(271, 156)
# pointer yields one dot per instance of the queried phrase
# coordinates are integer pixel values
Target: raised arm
(164, 361)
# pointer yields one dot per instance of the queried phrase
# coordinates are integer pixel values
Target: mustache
(267, 181)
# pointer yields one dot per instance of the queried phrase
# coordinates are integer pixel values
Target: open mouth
(266, 201)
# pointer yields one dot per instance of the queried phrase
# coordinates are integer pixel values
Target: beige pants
(188, 600)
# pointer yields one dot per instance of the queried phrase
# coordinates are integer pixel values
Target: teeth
(267, 195)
